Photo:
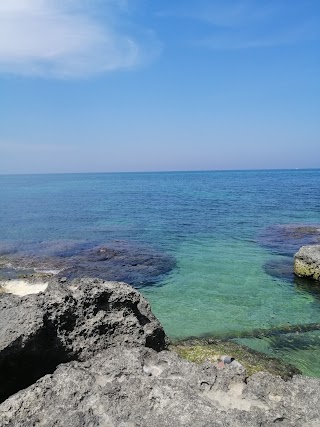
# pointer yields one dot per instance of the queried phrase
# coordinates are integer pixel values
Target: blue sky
(141, 85)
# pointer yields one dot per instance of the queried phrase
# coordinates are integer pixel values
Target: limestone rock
(90, 353)
(69, 322)
(131, 387)
(307, 262)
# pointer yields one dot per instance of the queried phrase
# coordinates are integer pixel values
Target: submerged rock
(307, 262)
(117, 261)
(280, 268)
(286, 239)
(284, 269)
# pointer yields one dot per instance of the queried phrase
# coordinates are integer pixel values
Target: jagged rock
(128, 387)
(90, 353)
(69, 322)
(307, 262)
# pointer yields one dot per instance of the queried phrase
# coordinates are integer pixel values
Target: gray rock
(90, 353)
(69, 322)
(307, 262)
(130, 387)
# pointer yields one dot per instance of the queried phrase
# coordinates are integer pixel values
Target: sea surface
(230, 234)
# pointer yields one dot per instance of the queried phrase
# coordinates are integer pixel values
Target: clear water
(217, 225)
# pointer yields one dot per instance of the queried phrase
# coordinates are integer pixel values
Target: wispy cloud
(237, 39)
(244, 24)
(55, 38)
(222, 13)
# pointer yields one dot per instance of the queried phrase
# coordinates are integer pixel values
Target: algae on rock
(211, 350)
(307, 262)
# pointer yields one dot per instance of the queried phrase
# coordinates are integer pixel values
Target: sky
(157, 85)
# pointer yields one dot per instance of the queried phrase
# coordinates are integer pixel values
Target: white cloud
(55, 38)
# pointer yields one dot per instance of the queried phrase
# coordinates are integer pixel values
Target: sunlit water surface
(220, 227)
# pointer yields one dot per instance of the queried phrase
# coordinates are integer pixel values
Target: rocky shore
(87, 352)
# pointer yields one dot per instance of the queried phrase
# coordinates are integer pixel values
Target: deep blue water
(229, 232)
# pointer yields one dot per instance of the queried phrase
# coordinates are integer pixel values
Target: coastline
(31, 275)
(197, 350)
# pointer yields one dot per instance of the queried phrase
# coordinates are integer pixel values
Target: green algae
(199, 351)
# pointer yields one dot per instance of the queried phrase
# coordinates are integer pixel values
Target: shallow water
(226, 231)
(228, 297)
(299, 349)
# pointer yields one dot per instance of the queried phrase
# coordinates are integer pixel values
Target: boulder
(307, 262)
(70, 321)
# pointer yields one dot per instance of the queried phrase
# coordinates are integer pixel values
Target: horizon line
(158, 171)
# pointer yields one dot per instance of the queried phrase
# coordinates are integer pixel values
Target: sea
(229, 236)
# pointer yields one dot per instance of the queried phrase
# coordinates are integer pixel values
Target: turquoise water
(222, 229)
(231, 294)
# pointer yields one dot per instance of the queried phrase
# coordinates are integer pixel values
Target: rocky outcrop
(307, 262)
(139, 387)
(91, 353)
(71, 321)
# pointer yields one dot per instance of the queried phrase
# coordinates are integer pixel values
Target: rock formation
(91, 353)
(69, 322)
(307, 262)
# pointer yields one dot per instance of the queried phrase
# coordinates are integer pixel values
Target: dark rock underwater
(120, 261)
